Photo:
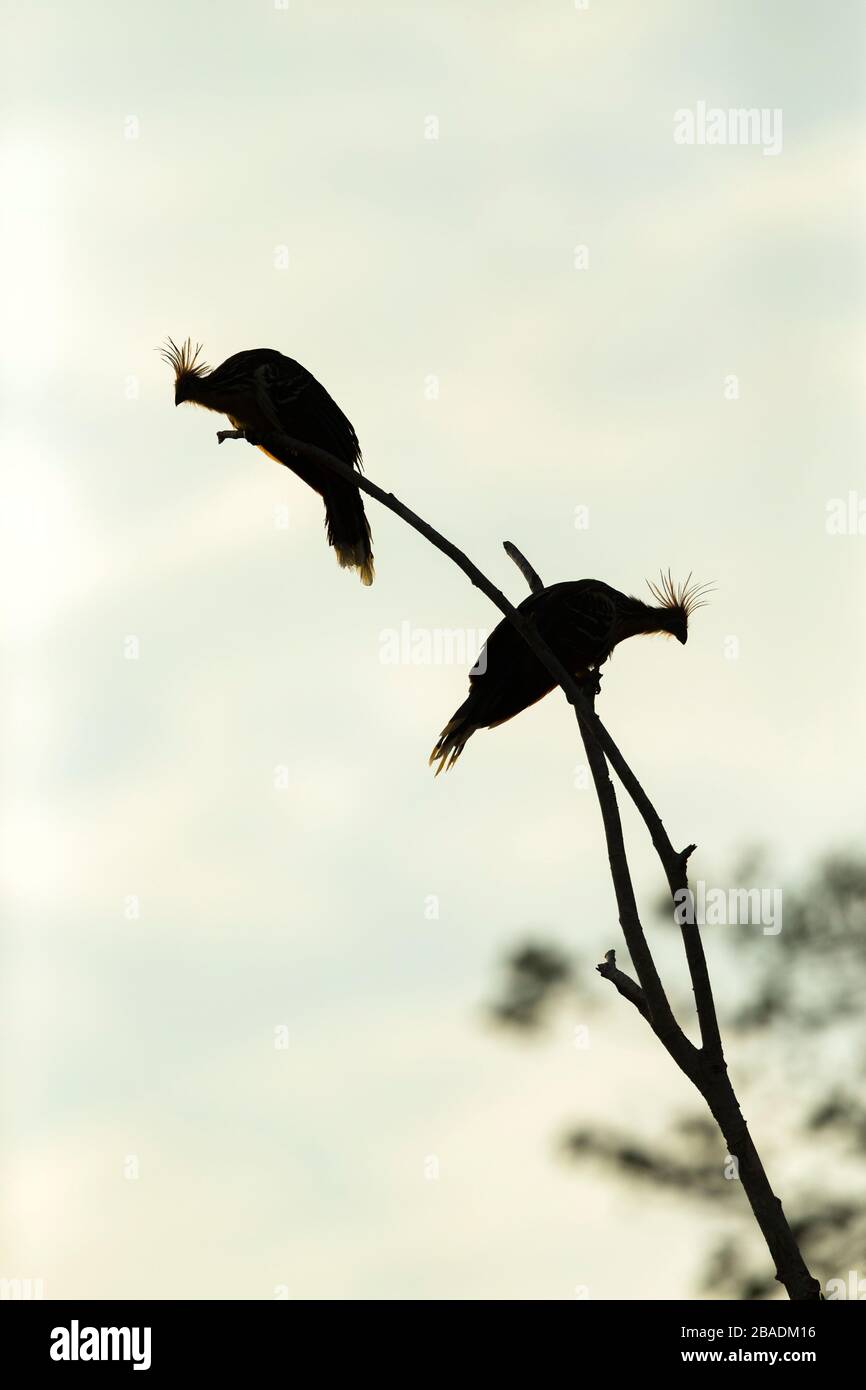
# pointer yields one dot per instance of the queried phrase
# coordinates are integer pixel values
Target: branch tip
(626, 986)
(533, 579)
(608, 964)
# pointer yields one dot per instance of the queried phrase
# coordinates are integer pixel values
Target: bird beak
(684, 638)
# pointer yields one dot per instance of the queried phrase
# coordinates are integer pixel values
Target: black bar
(223, 1338)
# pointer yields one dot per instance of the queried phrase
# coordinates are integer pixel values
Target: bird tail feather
(349, 531)
(454, 737)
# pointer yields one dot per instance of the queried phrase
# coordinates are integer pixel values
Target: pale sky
(261, 176)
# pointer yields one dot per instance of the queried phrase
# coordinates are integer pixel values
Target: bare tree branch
(674, 863)
(706, 1066)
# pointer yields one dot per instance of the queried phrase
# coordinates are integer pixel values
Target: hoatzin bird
(581, 622)
(264, 394)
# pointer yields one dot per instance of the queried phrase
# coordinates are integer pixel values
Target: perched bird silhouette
(581, 622)
(264, 394)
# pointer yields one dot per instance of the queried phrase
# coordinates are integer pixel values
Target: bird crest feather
(685, 597)
(184, 359)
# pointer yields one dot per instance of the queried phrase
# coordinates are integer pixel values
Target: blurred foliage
(801, 1024)
(533, 976)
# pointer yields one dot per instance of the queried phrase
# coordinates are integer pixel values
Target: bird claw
(237, 434)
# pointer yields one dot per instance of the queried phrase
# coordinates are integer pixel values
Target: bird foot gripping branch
(590, 685)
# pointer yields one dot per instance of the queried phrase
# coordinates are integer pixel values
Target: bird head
(676, 603)
(188, 370)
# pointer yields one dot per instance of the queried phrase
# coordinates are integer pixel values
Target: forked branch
(705, 1066)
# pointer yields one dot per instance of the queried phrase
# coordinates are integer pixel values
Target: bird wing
(578, 621)
(506, 678)
(297, 404)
